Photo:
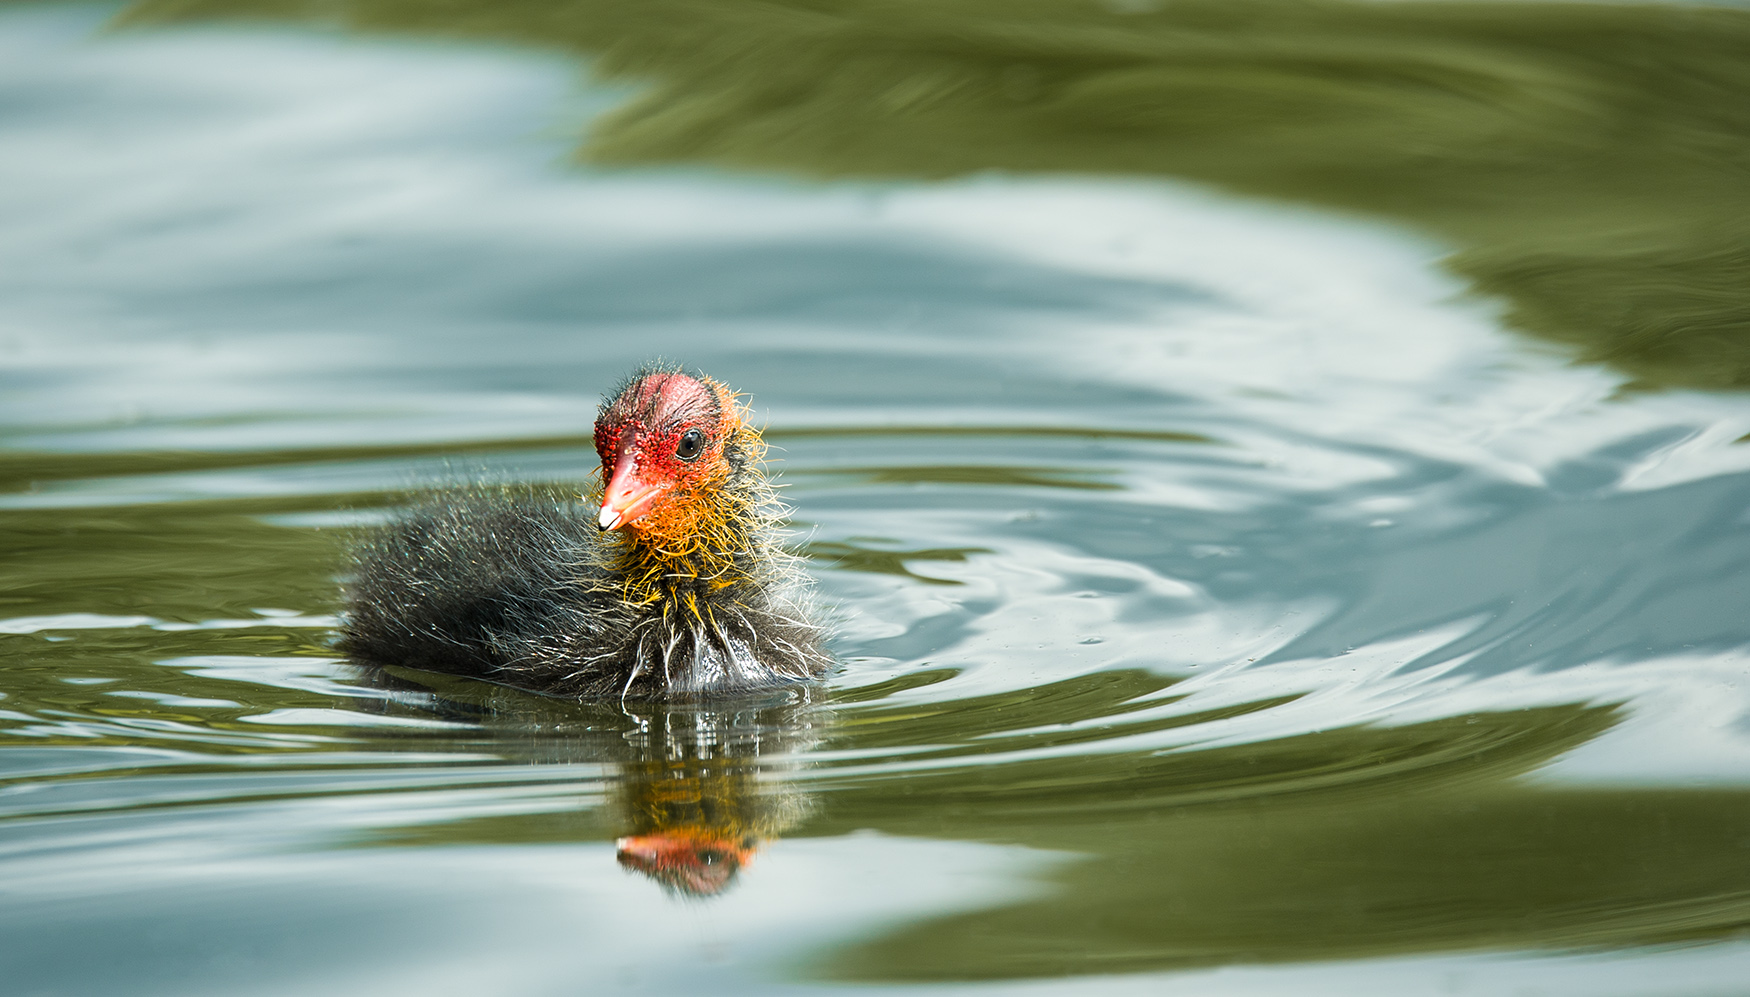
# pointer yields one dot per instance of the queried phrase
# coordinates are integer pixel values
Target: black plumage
(690, 596)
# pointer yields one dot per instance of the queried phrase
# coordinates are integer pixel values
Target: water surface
(1229, 599)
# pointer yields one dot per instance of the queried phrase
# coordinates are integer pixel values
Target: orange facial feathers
(673, 449)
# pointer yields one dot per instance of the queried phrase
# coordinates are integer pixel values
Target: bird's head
(668, 442)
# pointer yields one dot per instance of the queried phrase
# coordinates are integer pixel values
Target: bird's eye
(692, 441)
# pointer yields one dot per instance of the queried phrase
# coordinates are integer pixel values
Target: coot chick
(672, 584)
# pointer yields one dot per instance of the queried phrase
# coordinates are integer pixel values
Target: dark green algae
(1589, 162)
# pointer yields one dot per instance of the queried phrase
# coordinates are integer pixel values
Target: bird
(666, 581)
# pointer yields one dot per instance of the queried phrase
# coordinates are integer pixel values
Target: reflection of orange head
(696, 861)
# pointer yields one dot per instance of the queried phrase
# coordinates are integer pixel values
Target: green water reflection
(1347, 843)
(1590, 161)
(856, 554)
(1340, 843)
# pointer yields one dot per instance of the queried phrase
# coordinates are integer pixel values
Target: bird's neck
(680, 574)
(705, 545)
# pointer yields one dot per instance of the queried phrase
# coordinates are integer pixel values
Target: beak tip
(610, 518)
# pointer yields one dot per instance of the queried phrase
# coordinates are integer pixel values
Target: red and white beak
(629, 496)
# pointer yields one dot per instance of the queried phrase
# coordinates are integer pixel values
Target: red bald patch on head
(677, 398)
(654, 402)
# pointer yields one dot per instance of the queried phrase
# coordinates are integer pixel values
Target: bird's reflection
(694, 790)
(701, 791)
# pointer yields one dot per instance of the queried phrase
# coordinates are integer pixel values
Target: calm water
(1228, 602)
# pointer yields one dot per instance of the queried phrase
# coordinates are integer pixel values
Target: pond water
(1228, 601)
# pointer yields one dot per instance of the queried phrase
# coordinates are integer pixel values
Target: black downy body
(525, 588)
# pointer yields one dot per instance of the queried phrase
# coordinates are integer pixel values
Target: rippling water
(1227, 603)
